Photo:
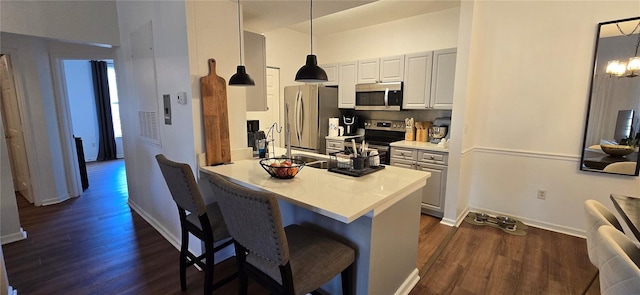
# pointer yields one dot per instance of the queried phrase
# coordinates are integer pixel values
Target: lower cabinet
(334, 146)
(433, 162)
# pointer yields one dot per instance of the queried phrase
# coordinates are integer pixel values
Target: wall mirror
(613, 120)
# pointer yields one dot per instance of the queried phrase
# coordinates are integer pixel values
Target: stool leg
(184, 248)
(208, 272)
(241, 258)
(347, 280)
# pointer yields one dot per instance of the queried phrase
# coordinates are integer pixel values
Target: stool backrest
(619, 262)
(597, 215)
(253, 219)
(182, 185)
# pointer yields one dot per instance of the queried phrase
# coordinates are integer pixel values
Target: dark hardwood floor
(96, 244)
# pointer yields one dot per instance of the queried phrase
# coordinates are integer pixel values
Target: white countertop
(419, 145)
(340, 197)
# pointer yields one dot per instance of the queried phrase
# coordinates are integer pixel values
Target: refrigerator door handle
(300, 116)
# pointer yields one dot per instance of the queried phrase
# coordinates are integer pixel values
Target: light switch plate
(182, 97)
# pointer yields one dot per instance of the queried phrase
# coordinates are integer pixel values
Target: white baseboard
(458, 220)
(58, 200)
(175, 241)
(537, 223)
(14, 237)
(408, 284)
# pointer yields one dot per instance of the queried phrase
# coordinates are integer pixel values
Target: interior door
(13, 131)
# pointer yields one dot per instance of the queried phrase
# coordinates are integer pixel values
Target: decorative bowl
(283, 168)
(617, 150)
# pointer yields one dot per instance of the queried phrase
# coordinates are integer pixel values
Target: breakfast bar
(378, 214)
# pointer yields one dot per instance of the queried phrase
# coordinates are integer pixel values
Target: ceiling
(330, 16)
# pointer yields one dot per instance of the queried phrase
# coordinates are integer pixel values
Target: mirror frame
(591, 99)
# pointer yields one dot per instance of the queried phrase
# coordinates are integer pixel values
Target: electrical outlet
(182, 97)
(542, 194)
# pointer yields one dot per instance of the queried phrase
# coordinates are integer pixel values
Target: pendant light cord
(310, 20)
(239, 33)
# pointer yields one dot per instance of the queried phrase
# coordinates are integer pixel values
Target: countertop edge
(427, 146)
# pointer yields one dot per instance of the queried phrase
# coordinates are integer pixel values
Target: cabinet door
(332, 74)
(442, 78)
(392, 68)
(434, 192)
(335, 144)
(417, 80)
(348, 75)
(368, 71)
(256, 64)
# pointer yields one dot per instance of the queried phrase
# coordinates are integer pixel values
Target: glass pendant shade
(241, 78)
(311, 72)
(634, 64)
(616, 68)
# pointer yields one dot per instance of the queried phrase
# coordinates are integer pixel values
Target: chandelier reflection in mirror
(630, 69)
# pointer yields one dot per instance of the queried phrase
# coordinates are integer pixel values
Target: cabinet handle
(432, 157)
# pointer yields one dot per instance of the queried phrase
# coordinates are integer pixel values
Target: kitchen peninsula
(377, 214)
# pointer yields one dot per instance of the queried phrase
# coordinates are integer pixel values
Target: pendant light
(240, 78)
(311, 72)
(617, 68)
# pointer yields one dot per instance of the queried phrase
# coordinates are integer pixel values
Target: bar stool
(619, 261)
(286, 260)
(203, 221)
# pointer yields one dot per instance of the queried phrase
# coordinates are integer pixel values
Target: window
(115, 106)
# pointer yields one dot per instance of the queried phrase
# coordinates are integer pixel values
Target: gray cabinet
(256, 63)
(429, 79)
(430, 161)
(347, 75)
(334, 145)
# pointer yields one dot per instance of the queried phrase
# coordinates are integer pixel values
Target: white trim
(175, 241)
(458, 220)
(524, 153)
(219, 256)
(57, 200)
(408, 284)
(14, 237)
(537, 223)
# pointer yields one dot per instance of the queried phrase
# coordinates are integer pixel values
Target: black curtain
(106, 140)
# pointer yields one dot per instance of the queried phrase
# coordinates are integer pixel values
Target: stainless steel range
(380, 133)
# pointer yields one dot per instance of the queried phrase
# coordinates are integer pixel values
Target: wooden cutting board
(213, 89)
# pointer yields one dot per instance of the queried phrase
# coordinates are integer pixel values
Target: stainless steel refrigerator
(309, 108)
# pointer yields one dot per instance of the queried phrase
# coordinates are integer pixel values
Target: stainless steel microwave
(385, 96)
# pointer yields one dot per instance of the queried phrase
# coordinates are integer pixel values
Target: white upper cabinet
(442, 78)
(255, 61)
(392, 68)
(347, 77)
(429, 78)
(332, 74)
(417, 80)
(386, 69)
(368, 70)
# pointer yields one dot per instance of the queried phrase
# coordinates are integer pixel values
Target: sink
(318, 165)
(307, 158)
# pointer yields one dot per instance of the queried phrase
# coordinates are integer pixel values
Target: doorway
(14, 135)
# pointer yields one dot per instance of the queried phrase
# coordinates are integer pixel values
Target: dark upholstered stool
(291, 260)
(203, 221)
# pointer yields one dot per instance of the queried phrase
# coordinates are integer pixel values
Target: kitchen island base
(386, 244)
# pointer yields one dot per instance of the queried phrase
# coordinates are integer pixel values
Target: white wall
(531, 67)
(419, 33)
(185, 36)
(82, 105)
(93, 22)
